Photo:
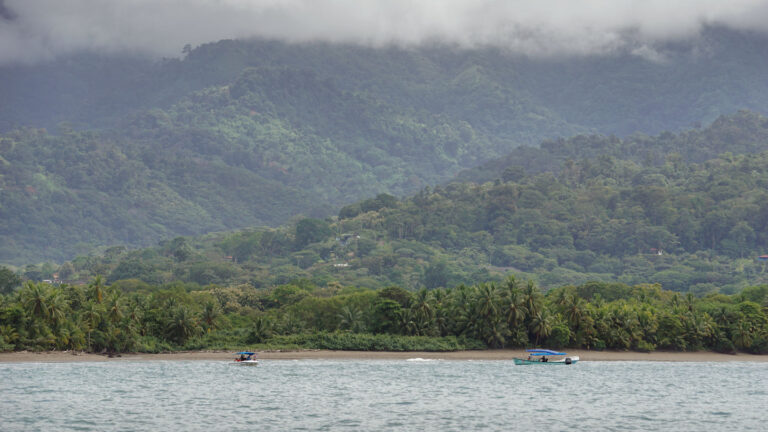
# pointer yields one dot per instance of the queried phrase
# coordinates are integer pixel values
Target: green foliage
(381, 342)
(402, 297)
(246, 133)
(286, 295)
(690, 227)
(756, 294)
(8, 280)
(270, 133)
(311, 231)
(437, 275)
(513, 313)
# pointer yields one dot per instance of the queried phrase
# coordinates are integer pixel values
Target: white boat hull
(247, 363)
(567, 360)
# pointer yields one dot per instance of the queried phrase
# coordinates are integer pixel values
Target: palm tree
(648, 322)
(690, 301)
(405, 322)
(532, 298)
(722, 316)
(459, 308)
(261, 330)
(421, 305)
(574, 311)
(541, 324)
(513, 304)
(55, 307)
(76, 337)
(472, 325)
(742, 335)
(63, 336)
(114, 311)
(91, 314)
(210, 315)
(351, 318)
(619, 338)
(181, 325)
(494, 333)
(41, 334)
(701, 329)
(35, 299)
(487, 299)
(171, 303)
(291, 324)
(8, 334)
(562, 297)
(96, 289)
(513, 285)
(626, 318)
(135, 313)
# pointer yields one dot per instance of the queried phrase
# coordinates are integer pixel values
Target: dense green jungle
(653, 253)
(100, 150)
(654, 217)
(513, 313)
(268, 195)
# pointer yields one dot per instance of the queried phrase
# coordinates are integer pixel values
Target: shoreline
(503, 354)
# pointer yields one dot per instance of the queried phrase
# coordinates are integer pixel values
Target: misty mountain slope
(87, 90)
(243, 133)
(689, 83)
(514, 97)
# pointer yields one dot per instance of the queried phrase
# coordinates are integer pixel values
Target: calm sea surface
(383, 395)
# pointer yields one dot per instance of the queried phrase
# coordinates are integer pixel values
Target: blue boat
(542, 357)
(246, 358)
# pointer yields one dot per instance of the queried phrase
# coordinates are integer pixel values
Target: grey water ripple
(382, 395)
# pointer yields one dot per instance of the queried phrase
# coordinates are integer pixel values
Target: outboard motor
(568, 360)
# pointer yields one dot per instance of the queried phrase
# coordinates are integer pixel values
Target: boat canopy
(246, 353)
(541, 352)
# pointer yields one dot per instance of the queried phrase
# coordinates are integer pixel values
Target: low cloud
(35, 30)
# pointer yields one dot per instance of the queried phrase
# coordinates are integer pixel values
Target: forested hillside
(654, 217)
(525, 98)
(741, 133)
(245, 133)
(273, 144)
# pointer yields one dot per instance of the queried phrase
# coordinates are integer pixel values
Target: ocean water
(377, 395)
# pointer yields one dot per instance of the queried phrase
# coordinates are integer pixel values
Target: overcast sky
(34, 30)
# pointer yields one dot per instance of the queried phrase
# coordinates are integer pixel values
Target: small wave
(419, 359)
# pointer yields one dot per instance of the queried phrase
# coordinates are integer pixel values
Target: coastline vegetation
(635, 243)
(513, 313)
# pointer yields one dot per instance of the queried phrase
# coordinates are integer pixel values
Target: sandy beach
(584, 355)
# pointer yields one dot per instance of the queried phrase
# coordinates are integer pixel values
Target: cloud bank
(35, 30)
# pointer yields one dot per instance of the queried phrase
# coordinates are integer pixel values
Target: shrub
(378, 342)
(645, 346)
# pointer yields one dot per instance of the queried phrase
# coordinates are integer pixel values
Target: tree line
(513, 313)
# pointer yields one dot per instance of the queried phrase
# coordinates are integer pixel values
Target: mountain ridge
(690, 226)
(244, 133)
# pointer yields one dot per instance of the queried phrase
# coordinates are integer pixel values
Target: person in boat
(544, 359)
(242, 357)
